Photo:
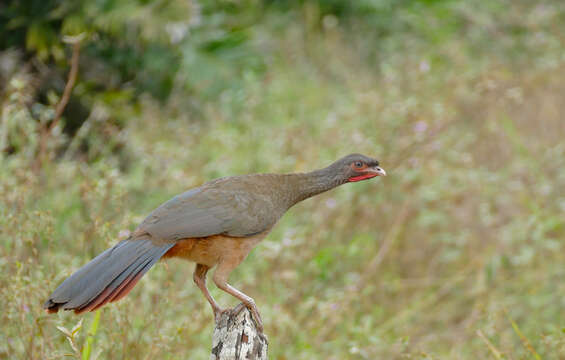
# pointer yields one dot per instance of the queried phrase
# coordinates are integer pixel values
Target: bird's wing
(203, 212)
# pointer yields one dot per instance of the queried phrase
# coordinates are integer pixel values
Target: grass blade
(86, 351)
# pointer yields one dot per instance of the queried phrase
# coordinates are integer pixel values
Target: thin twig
(527, 344)
(495, 352)
(68, 87)
(426, 301)
(370, 269)
(401, 155)
(391, 236)
(45, 131)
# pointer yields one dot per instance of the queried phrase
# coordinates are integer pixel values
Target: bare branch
(45, 130)
(69, 85)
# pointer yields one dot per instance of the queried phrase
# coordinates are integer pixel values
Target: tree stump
(236, 337)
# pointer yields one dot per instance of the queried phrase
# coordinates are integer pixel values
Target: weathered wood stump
(236, 337)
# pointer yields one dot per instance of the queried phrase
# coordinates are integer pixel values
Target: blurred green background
(457, 254)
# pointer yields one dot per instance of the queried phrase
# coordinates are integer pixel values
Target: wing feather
(203, 212)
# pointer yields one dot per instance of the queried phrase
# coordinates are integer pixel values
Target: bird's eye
(358, 164)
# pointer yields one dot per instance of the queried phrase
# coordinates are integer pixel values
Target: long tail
(108, 277)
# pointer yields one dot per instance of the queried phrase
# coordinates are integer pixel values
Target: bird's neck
(306, 185)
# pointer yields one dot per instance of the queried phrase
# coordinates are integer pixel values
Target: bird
(213, 225)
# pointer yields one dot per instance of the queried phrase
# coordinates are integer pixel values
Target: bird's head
(357, 167)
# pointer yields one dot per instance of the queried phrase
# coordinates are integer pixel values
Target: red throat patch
(362, 177)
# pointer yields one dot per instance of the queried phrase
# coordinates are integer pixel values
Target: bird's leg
(221, 280)
(199, 278)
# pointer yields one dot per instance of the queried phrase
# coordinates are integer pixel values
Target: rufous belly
(214, 249)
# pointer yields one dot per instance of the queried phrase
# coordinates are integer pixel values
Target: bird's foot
(218, 312)
(254, 314)
(237, 309)
(256, 319)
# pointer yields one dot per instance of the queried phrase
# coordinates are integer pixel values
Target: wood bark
(236, 337)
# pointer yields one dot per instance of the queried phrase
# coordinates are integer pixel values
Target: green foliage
(457, 254)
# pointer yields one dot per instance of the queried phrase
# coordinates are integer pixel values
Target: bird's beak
(378, 171)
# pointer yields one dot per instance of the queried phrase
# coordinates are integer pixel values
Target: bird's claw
(255, 316)
(219, 312)
(256, 319)
(237, 310)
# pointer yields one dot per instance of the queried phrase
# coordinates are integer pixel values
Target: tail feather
(130, 283)
(103, 273)
(126, 280)
(108, 277)
(110, 290)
